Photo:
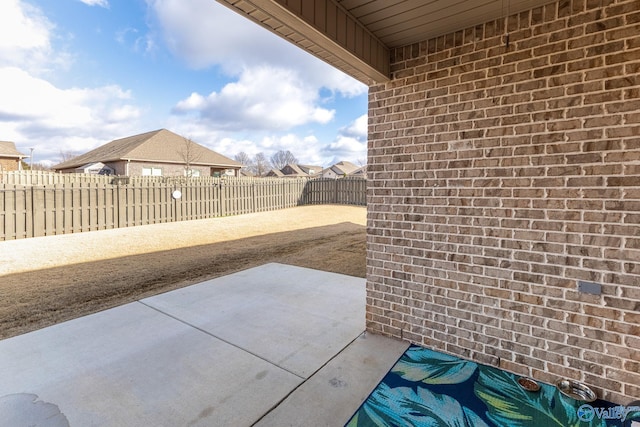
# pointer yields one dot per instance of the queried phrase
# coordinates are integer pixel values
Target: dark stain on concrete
(205, 413)
(337, 383)
(24, 409)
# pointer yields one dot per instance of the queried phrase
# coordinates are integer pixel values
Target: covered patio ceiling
(355, 36)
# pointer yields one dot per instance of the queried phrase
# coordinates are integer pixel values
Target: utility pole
(31, 159)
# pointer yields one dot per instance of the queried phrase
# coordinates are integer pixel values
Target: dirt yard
(47, 280)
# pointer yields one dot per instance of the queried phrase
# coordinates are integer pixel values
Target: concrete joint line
(223, 340)
(307, 379)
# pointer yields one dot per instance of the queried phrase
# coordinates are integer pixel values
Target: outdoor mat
(428, 388)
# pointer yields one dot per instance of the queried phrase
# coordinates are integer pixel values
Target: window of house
(151, 171)
(191, 172)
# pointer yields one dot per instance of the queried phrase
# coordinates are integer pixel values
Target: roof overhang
(356, 36)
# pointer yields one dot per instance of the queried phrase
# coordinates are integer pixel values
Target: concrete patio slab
(296, 318)
(135, 366)
(331, 396)
(229, 352)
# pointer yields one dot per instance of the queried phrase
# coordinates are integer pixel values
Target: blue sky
(75, 74)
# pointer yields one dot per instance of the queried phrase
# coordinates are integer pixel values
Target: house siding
(168, 169)
(503, 179)
(331, 174)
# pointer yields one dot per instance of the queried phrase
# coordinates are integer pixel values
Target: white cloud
(351, 142)
(24, 35)
(357, 129)
(307, 149)
(35, 113)
(206, 34)
(101, 3)
(345, 146)
(275, 88)
(275, 85)
(262, 98)
(42, 104)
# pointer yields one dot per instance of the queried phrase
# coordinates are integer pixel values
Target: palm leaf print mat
(432, 389)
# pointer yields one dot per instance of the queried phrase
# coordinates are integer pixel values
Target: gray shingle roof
(300, 170)
(344, 168)
(156, 146)
(8, 149)
(275, 172)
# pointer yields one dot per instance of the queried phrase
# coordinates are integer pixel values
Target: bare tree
(66, 155)
(260, 165)
(189, 154)
(39, 167)
(282, 158)
(244, 159)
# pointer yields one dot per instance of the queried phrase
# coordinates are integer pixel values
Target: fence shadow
(40, 298)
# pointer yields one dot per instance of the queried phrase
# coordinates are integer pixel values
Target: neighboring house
(275, 173)
(339, 170)
(296, 171)
(310, 171)
(157, 153)
(10, 157)
(361, 172)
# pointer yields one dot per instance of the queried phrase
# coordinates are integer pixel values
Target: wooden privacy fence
(343, 191)
(28, 177)
(44, 210)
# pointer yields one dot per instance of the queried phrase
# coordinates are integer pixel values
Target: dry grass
(52, 279)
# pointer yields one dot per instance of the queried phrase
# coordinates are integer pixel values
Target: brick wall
(502, 176)
(7, 164)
